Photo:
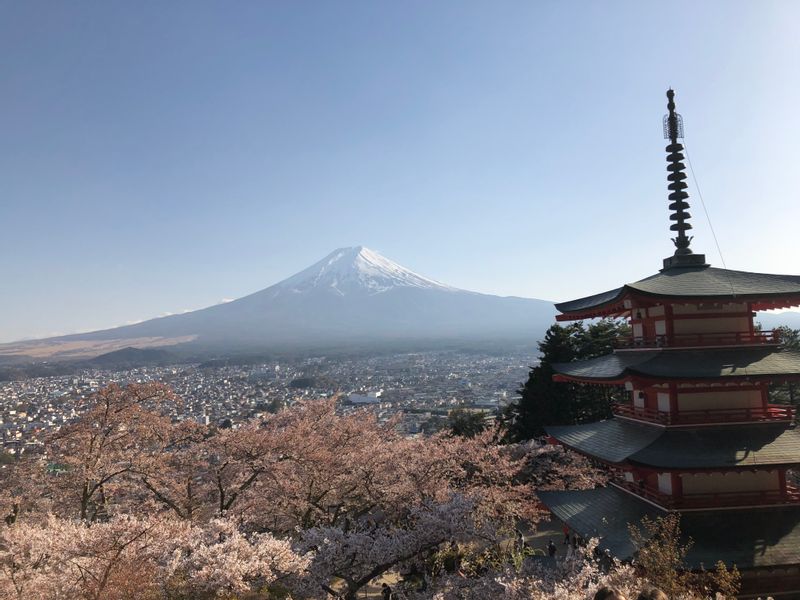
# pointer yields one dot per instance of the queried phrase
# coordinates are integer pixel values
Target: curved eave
(759, 302)
(712, 364)
(558, 377)
(598, 305)
(778, 303)
(765, 291)
(741, 447)
(598, 459)
(750, 538)
(611, 441)
(741, 467)
(633, 376)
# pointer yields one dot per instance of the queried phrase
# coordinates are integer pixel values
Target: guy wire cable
(708, 217)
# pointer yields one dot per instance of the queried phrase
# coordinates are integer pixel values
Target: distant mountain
(353, 296)
(127, 358)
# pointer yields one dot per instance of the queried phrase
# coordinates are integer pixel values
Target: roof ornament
(673, 129)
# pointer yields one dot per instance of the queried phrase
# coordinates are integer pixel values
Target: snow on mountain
(356, 269)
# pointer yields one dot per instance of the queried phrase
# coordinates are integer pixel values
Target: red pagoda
(699, 434)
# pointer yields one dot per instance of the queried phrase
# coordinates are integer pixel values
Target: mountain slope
(353, 295)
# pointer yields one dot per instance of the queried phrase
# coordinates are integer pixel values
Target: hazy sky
(162, 156)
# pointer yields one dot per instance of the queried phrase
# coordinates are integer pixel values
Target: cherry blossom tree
(64, 558)
(97, 454)
(574, 579)
(174, 476)
(26, 560)
(143, 507)
(127, 557)
(335, 471)
(361, 554)
(218, 560)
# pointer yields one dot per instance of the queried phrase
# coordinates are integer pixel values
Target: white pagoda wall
(695, 309)
(715, 325)
(745, 481)
(663, 401)
(719, 400)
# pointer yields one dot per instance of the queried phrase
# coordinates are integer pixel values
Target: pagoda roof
(712, 363)
(699, 283)
(734, 446)
(613, 440)
(748, 537)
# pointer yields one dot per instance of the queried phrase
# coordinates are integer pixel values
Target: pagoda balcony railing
(712, 500)
(773, 412)
(696, 340)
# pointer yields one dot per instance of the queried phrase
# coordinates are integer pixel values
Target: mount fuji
(353, 296)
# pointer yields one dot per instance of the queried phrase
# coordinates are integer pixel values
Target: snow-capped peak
(357, 269)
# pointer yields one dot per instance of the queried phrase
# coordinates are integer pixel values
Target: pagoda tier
(620, 442)
(690, 469)
(763, 544)
(689, 289)
(679, 388)
(705, 366)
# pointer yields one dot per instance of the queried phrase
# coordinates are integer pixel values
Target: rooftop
(752, 362)
(749, 538)
(694, 283)
(617, 441)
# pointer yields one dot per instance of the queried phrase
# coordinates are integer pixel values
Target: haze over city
(158, 159)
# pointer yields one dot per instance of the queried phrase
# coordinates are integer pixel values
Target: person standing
(386, 592)
(520, 540)
(551, 549)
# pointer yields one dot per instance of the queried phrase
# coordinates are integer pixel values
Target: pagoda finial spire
(673, 129)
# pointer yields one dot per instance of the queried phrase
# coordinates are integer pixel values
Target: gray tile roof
(731, 446)
(591, 301)
(613, 440)
(618, 440)
(695, 282)
(602, 513)
(748, 537)
(686, 364)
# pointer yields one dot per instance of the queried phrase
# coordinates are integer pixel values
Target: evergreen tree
(545, 402)
(466, 423)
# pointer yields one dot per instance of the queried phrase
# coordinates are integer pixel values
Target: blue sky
(162, 156)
